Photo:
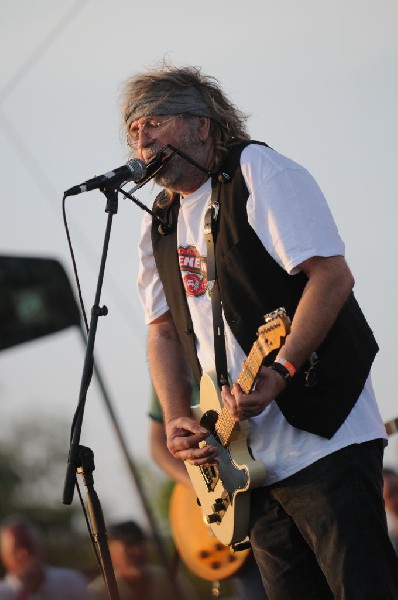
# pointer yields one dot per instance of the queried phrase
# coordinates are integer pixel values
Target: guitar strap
(214, 291)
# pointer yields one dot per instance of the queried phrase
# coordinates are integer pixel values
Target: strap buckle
(215, 207)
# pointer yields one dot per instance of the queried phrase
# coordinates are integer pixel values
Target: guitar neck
(270, 337)
(252, 365)
(226, 423)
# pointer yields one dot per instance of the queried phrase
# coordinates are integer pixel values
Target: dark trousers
(248, 583)
(322, 532)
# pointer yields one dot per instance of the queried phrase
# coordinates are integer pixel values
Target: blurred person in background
(390, 493)
(136, 577)
(28, 576)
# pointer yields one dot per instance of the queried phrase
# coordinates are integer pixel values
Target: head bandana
(163, 102)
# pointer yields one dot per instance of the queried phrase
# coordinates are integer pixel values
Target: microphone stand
(136, 477)
(81, 459)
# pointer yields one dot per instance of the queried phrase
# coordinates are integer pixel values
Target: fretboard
(226, 423)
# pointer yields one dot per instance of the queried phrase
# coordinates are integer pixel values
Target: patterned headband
(160, 102)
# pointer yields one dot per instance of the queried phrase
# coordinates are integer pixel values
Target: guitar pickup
(210, 477)
(213, 518)
(209, 473)
(220, 505)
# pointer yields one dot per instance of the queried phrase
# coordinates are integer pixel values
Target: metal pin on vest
(215, 208)
(224, 177)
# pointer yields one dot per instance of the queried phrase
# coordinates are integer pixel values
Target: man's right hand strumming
(183, 438)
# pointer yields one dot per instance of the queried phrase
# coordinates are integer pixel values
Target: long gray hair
(160, 90)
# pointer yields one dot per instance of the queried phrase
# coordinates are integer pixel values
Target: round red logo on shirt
(193, 269)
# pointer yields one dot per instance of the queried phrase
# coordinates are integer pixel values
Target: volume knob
(219, 505)
(213, 518)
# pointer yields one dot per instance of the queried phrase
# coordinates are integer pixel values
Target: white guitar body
(223, 491)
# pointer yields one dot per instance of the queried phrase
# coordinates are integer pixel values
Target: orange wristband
(288, 365)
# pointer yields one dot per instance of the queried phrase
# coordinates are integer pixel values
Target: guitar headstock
(275, 330)
(270, 336)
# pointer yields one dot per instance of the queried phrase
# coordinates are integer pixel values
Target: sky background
(319, 80)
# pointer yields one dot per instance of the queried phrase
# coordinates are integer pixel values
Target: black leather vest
(253, 284)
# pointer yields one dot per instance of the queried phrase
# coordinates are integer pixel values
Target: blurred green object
(36, 299)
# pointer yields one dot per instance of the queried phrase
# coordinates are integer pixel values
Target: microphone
(134, 170)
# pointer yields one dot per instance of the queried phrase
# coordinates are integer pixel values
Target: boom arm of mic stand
(128, 195)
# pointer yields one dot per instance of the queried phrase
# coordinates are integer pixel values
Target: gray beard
(178, 172)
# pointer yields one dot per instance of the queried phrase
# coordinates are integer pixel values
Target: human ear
(204, 128)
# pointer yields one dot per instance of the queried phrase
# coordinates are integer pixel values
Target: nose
(144, 137)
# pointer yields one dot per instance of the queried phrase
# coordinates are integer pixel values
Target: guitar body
(223, 491)
(197, 545)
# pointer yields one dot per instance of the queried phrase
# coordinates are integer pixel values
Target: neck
(193, 189)
(32, 578)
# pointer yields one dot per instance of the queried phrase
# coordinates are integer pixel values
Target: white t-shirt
(290, 215)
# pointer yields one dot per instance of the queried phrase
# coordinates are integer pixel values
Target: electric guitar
(195, 542)
(223, 490)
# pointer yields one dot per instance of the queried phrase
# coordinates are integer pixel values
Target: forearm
(329, 285)
(172, 380)
(169, 369)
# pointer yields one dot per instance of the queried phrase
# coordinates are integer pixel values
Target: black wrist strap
(279, 368)
(214, 291)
